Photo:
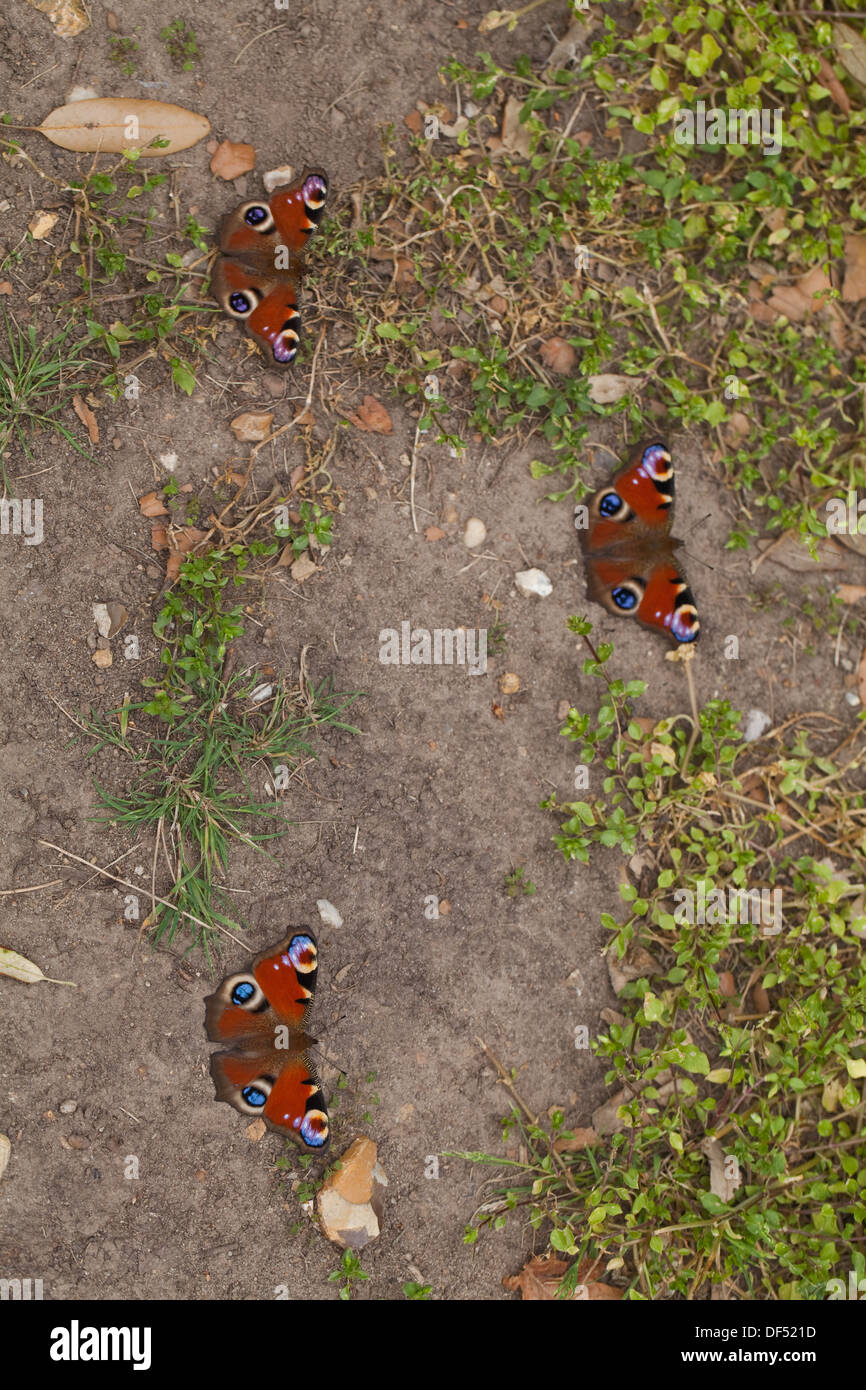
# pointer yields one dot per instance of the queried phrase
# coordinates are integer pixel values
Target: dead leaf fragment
(252, 426)
(558, 355)
(102, 659)
(115, 124)
(87, 418)
(854, 284)
(180, 543)
(861, 677)
(372, 416)
(828, 79)
(851, 51)
(5, 1153)
(151, 504)
(69, 17)
(725, 1176)
(303, 568)
(256, 1130)
(509, 683)
(434, 533)
(850, 593)
(608, 387)
(580, 1139)
(515, 137)
(231, 160)
(40, 225)
(19, 968)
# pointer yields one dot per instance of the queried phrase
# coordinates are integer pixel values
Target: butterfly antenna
(691, 556)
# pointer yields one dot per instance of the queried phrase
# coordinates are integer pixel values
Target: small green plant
(314, 523)
(38, 380)
(180, 44)
(349, 1273)
(122, 49)
(419, 1293)
(518, 885)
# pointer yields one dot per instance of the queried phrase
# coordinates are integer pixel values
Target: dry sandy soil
(436, 797)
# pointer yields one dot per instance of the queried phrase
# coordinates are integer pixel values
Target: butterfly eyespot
(244, 993)
(315, 191)
(256, 1095)
(314, 1129)
(240, 303)
(302, 954)
(610, 505)
(627, 596)
(286, 342)
(656, 461)
(259, 217)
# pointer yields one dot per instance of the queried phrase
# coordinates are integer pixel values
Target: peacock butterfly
(260, 1014)
(256, 279)
(625, 534)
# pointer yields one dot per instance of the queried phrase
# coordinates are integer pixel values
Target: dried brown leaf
(372, 416)
(231, 160)
(115, 124)
(87, 418)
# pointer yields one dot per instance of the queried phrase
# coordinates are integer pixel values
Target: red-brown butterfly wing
(260, 1014)
(268, 307)
(629, 551)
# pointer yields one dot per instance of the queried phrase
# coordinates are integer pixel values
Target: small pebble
(757, 723)
(328, 913)
(852, 698)
(69, 1107)
(530, 582)
(475, 533)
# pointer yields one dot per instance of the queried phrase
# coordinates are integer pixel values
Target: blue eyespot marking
(624, 598)
(610, 504)
(255, 215)
(313, 1129)
(242, 992)
(302, 952)
(253, 1096)
(240, 303)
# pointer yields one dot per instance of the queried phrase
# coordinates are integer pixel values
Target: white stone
(475, 533)
(757, 723)
(533, 582)
(328, 913)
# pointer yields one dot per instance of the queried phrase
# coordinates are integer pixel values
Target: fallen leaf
(828, 79)
(558, 355)
(231, 160)
(253, 425)
(861, 677)
(851, 51)
(151, 504)
(19, 968)
(5, 1153)
(498, 711)
(372, 416)
(565, 51)
(434, 533)
(180, 544)
(854, 284)
(850, 593)
(414, 122)
(607, 388)
(725, 1176)
(760, 1000)
(6, 287)
(806, 296)
(303, 568)
(87, 418)
(256, 1130)
(304, 417)
(580, 1139)
(69, 17)
(102, 659)
(158, 538)
(539, 1278)
(40, 225)
(115, 124)
(515, 137)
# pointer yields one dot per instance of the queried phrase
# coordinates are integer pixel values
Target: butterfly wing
(256, 279)
(631, 565)
(260, 1015)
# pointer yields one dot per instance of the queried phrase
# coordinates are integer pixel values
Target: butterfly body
(256, 280)
(259, 1014)
(630, 554)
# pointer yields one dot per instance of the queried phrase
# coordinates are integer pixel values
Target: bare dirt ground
(438, 796)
